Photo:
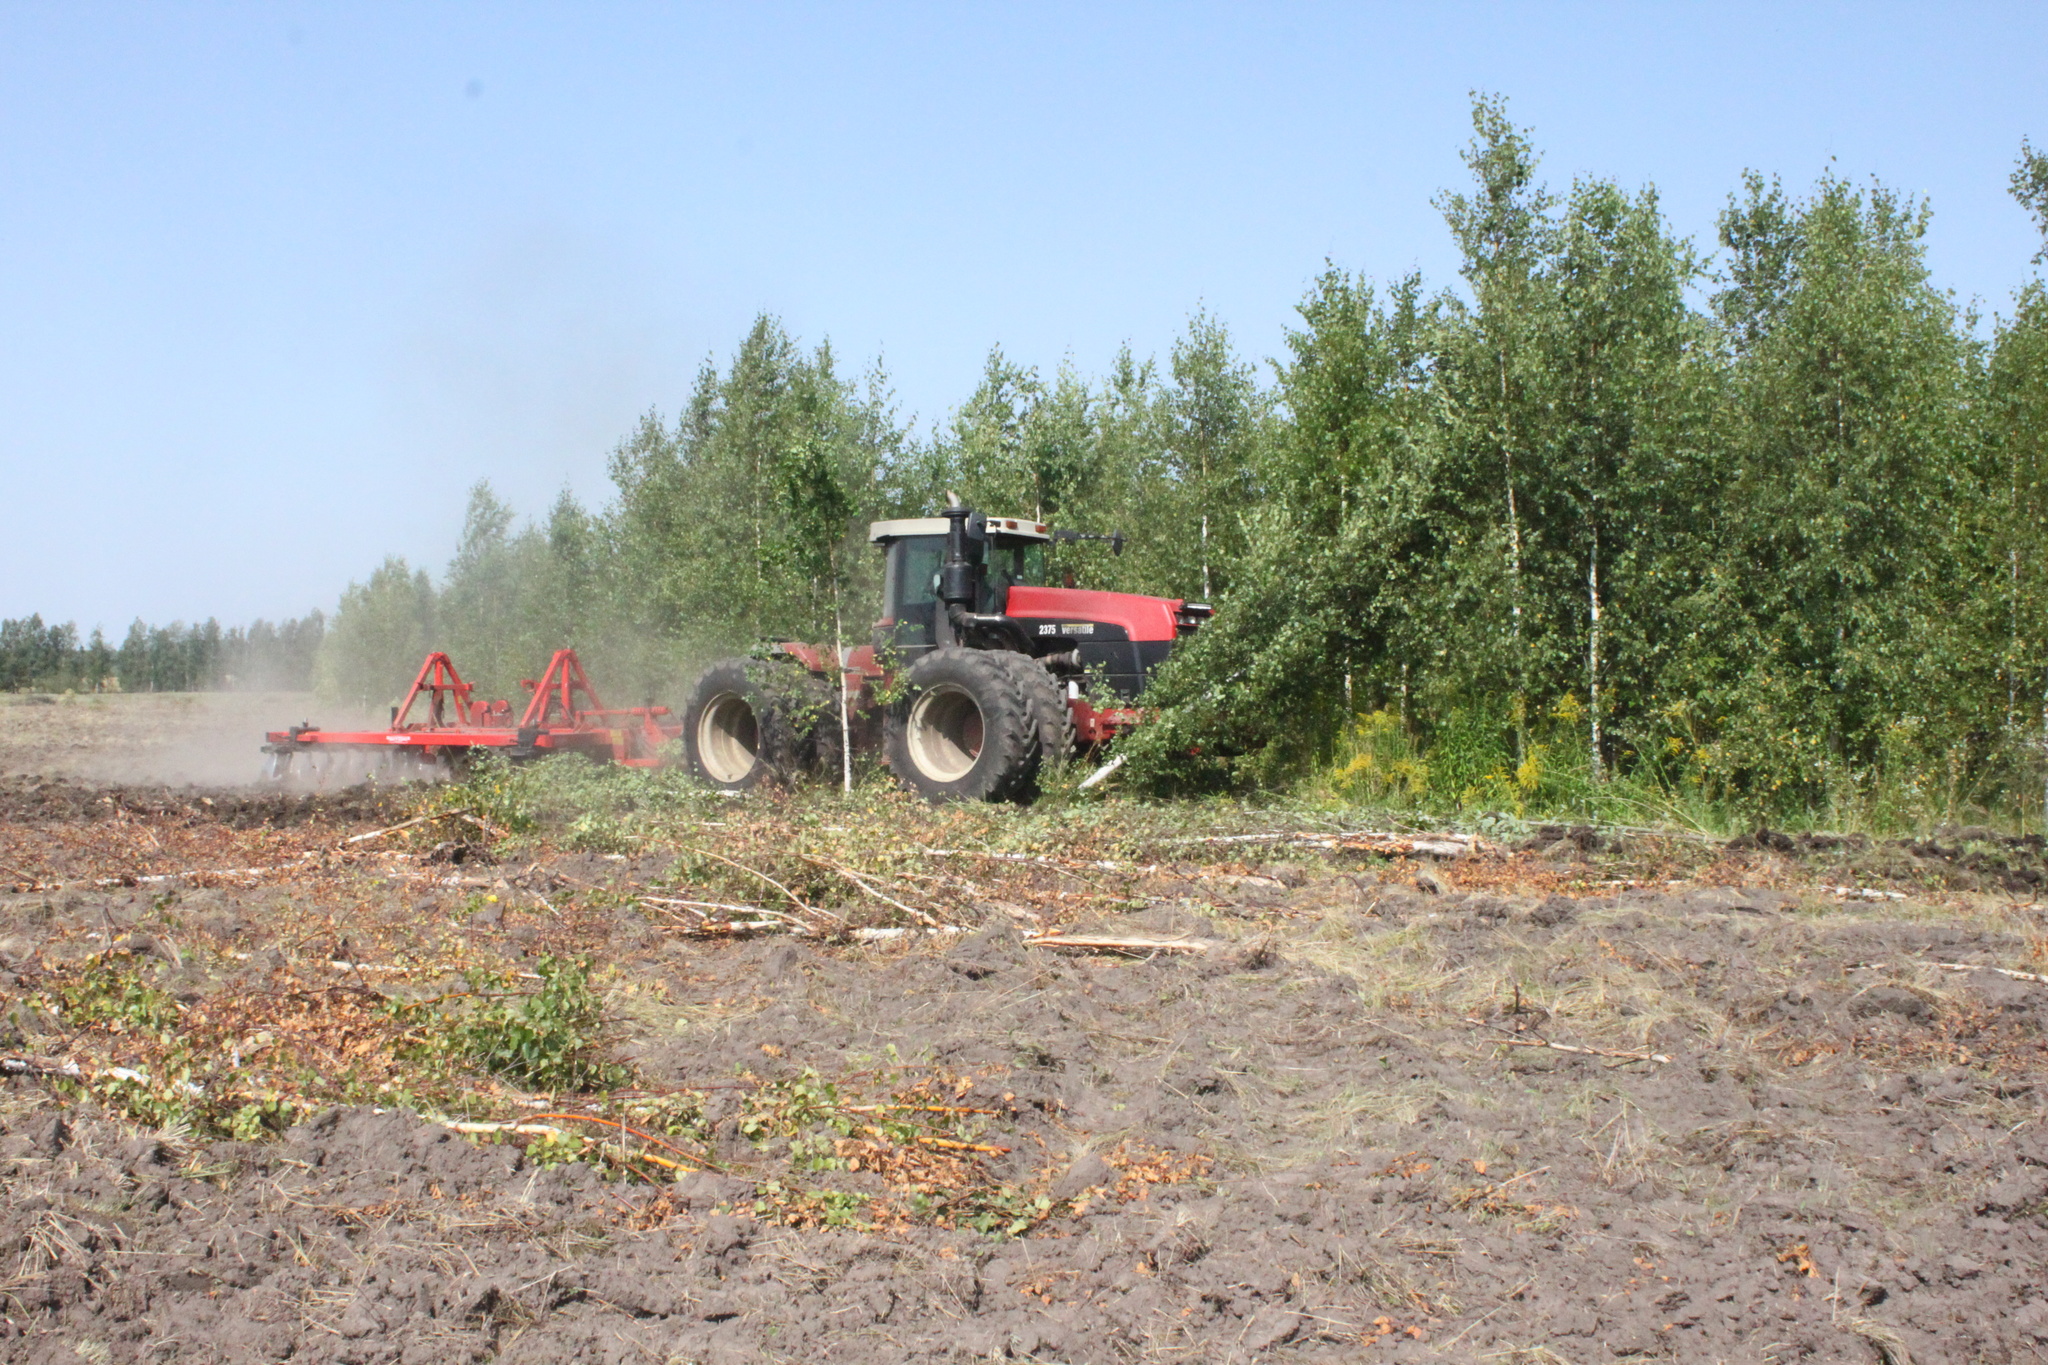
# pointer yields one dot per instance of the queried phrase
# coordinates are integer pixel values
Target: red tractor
(978, 676)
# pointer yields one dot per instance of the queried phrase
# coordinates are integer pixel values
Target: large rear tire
(750, 721)
(972, 725)
(1057, 738)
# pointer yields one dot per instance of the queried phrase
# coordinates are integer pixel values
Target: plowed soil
(1583, 1100)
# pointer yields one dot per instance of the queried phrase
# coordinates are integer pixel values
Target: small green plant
(261, 1119)
(806, 1110)
(993, 1211)
(116, 997)
(550, 1038)
(170, 1102)
(812, 1208)
(598, 832)
(562, 1149)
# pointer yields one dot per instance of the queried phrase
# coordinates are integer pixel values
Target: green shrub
(550, 1038)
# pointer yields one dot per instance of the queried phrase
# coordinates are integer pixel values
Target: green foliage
(2030, 186)
(805, 1112)
(1759, 552)
(113, 995)
(547, 1038)
(992, 1210)
(495, 790)
(596, 807)
(382, 631)
(261, 1119)
(744, 518)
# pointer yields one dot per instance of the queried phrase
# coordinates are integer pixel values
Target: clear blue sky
(279, 281)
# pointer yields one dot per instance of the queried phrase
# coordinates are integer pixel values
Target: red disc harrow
(563, 715)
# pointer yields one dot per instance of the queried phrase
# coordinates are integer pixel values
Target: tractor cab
(964, 579)
(1002, 552)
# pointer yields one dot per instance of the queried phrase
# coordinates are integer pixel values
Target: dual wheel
(969, 725)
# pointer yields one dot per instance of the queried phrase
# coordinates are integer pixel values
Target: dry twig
(1615, 1053)
(2035, 977)
(405, 824)
(1092, 944)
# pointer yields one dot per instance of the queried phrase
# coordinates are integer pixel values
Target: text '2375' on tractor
(979, 676)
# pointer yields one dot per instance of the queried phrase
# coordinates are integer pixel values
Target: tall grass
(1467, 769)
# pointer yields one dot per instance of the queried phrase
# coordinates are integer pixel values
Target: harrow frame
(563, 715)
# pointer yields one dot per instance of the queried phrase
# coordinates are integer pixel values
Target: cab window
(911, 573)
(1009, 565)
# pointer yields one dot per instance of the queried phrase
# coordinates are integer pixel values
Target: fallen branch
(1099, 864)
(2036, 977)
(1120, 945)
(1101, 774)
(644, 1137)
(707, 927)
(407, 824)
(393, 968)
(535, 1129)
(39, 1066)
(436, 969)
(664, 902)
(733, 928)
(1586, 1051)
(920, 916)
(1357, 841)
(795, 899)
(486, 826)
(1105, 865)
(1864, 893)
(52, 1066)
(951, 1144)
(1568, 1047)
(1485, 1192)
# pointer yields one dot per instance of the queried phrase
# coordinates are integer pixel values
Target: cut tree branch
(1091, 944)
(1617, 1054)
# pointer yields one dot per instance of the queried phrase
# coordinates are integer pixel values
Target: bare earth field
(1568, 1097)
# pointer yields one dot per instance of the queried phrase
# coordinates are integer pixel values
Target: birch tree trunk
(839, 681)
(1507, 455)
(1593, 652)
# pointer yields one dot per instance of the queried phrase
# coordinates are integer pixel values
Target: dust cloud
(210, 739)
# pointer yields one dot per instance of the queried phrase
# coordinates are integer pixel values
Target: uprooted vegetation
(585, 1062)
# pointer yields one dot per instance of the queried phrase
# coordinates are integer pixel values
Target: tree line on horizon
(263, 656)
(1761, 526)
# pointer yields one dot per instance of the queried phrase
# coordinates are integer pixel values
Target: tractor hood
(1145, 618)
